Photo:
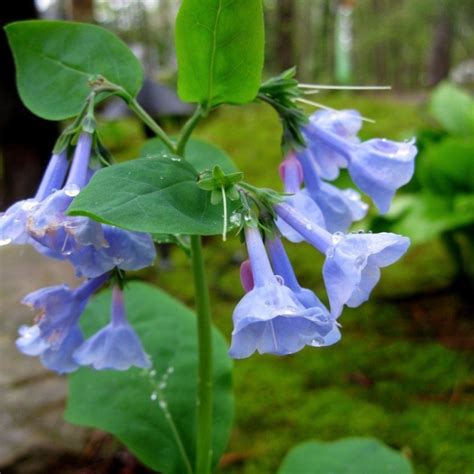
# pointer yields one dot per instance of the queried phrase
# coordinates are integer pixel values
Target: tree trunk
(25, 140)
(284, 44)
(440, 57)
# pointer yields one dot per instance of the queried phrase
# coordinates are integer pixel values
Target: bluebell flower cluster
(277, 315)
(94, 250)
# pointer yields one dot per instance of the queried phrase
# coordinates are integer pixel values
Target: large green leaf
(55, 60)
(345, 456)
(220, 48)
(153, 413)
(156, 195)
(453, 108)
(202, 155)
(447, 168)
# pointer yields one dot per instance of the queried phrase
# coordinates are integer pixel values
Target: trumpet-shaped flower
(378, 167)
(270, 318)
(291, 174)
(13, 221)
(353, 261)
(344, 124)
(340, 208)
(283, 268)
(123, 249)
(49, 225)
(56, 333)
(116, 346)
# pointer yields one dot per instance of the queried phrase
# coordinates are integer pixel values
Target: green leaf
(453, 108)
(202, 155)
(345, 456)
(220, 49)
(124, 404)
(156, 195)
(447, 168)
(55, 60)
(425, 216)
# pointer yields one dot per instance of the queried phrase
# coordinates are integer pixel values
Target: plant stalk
(204, 329)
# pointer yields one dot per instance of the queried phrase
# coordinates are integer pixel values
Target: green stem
(187, 130)
(148, 120)
(204, 327)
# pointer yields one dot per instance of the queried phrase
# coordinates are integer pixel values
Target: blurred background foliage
(403, 370)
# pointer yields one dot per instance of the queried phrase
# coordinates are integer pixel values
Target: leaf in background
(202, 155)
(55, 59)
(453, 108)
(345, 456)
(220, 49)
(127, 404)
(425, 216)
(447, 168)
(156, 195)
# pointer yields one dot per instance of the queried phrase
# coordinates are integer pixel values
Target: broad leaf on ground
(345, 456)
(153, 412)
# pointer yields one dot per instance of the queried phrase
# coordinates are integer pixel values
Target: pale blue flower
(56, 333)
(116, 346)
(270, 318)
(351, 269)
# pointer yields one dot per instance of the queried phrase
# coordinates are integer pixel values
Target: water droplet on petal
(72, 190)
(29, 205)
(5, 241)
(318, 341)
(309, 226)
(337, 237)
(330, 252)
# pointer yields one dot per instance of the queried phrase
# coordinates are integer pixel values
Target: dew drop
(5, 241)
(162, 385)
(318, 341)
(152, 373)
(29, 205)
(163, 404)
(153, 396)
(72, 190)
(170, 370)
(309, 227)
(174, 158)
(337, 237)
(330, 252)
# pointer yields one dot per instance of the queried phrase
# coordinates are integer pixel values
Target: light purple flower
(123, 249)
(116, 346)
(329, 331)
(270, 318)
(351, 269)
(291, 174)
(378, 167)
(14, 220)
(341, 123)
(56, 333)
(340, 208)
(49, 225)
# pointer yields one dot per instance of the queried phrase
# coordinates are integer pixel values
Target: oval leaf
(156, 195)
(55, 60)
(202, 155)
(220, 48)
(345, 456)
(156, 424)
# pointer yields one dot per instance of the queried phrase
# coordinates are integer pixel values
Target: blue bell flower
(116, 346)
(342, 123)
(55, 335)
(13, 222)
(270, 318)
(283, 268)
(351, 269)
(340, 208)
(291, 174)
